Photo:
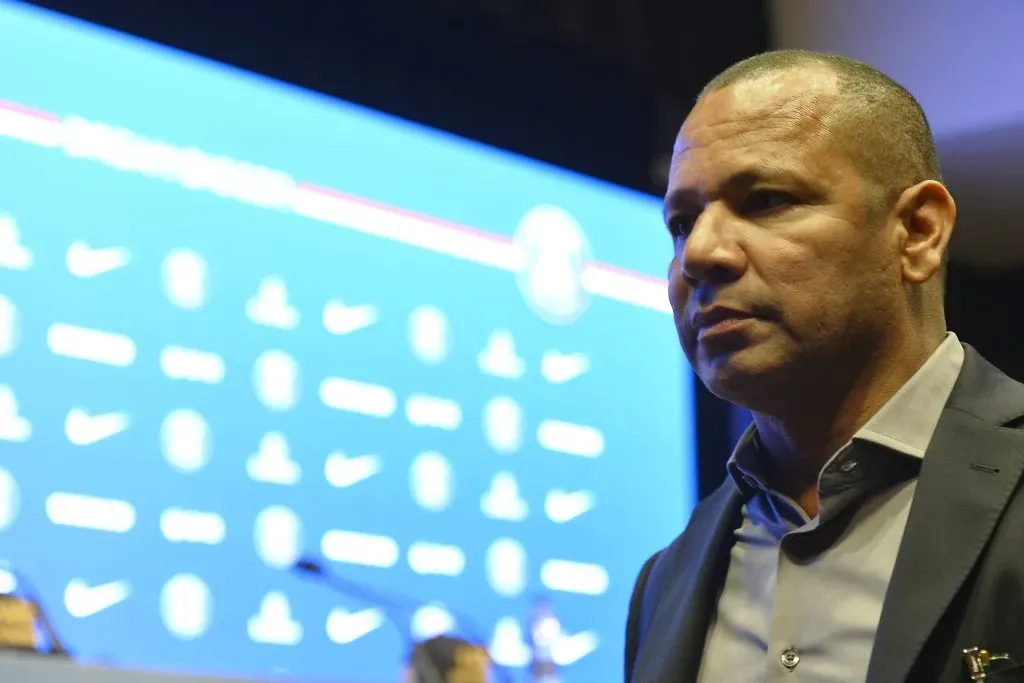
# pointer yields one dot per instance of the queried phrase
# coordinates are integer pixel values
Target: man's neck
(820, 417)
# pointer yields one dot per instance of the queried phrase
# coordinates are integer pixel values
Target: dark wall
(983, 307)
(598, 86)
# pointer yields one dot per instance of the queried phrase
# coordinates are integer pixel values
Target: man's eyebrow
(677, 200)
(682, 198)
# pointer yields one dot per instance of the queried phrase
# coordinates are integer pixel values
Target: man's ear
(927, 213)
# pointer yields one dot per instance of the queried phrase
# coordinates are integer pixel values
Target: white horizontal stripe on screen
(248, 183)
(189, 167)
(419, 231)
(569, 438)
(574, 577)
(358, 397)
(628, 288)
(90, 512)
(353, 547)
(430, 411)
(192, 365)
(35, 128)
(192, 526)
(435, 558)
(96, 346)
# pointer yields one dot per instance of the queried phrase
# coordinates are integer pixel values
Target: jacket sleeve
(635, 623)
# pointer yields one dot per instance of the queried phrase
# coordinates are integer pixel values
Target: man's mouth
(720, 321)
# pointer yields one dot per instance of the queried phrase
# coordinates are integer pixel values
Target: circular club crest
(554, 253)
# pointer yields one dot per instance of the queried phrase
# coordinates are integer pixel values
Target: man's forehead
(785, 102)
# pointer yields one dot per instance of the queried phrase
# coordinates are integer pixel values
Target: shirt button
(790, 658)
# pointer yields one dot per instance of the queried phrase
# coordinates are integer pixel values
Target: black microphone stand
(313, 569)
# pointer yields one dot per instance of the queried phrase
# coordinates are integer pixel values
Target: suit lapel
(967, 477)
(690, 581)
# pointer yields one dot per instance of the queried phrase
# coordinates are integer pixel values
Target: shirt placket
(800, 622)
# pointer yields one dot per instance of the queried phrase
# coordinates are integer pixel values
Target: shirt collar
(908, 419)
(905, 423)
(744, 465)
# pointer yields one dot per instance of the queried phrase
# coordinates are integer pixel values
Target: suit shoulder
(704, 513)
(707, 513)
(661, 567)
(637, 617)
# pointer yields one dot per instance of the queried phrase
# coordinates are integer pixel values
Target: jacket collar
(971, 468)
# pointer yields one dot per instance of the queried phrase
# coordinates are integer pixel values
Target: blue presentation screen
(241, 323)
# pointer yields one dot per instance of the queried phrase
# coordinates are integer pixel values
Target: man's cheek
(678, 291)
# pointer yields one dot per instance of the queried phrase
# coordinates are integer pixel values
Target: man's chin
(741, 378)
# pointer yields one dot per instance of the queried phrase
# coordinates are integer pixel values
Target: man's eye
(680, 227)
(767, 201)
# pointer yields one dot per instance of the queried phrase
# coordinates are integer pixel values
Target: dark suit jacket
(959, 575)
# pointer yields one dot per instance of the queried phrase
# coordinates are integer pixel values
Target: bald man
(870, 526)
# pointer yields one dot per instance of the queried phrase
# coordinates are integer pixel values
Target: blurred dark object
(24, 621)
(17, 624)
(444, 659)
(423, 665)
(599, 86)
(545, 632)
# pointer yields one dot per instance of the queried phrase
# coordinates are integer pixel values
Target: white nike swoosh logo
(344, 627)
(341, 319)
(342, 471)
(82, 600)
(559, 368)
(15, 256)
(562, 507)
(85, 262)
(570, 649)
(83, 429)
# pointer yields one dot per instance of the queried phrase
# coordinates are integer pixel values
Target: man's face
(777, 272)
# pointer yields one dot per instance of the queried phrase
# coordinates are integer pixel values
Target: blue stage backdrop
(240, 322)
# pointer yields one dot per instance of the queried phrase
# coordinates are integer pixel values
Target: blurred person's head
(810, 228)
(444, 659)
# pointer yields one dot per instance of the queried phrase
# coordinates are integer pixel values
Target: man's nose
(712, 252)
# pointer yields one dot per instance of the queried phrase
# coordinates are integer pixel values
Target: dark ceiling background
(599, 86)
